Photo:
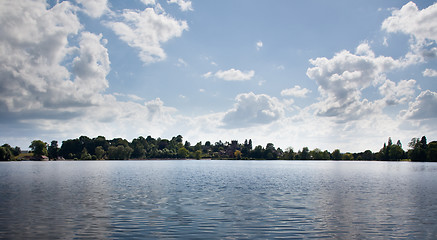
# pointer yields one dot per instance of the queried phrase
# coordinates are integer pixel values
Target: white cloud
(422, 24)
(385, 42)
(135, 97)
(32, 47)
(234, 75)
(41, 32)
(259, 45)
(296, 91)
(154, 107)
(37, 89)
(424, 107)
(132, 97)
(251, 109)
(430, 73)
(207, 75)
(397, 93)
(92, 65)
(181, 63)
(113, 119)
(183, 5)
(146, 31)
(94, 8)
(148, 2)
(342, 78)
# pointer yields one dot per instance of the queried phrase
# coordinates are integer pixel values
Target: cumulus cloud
(429, 73)
(36, 87)
(342, 78)
(397, 93)
(53, 73)
(156, 109)
(94, 8)
(296, 91)
(92, 65)
(233, 75)
(146, 31)
(183, 5)
(32, 46)
(251, 109)
(424, 107)
(422, 24)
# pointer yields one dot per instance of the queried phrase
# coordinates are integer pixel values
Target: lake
(218, 199)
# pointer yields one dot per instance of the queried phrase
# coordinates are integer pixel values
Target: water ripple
(218, 200)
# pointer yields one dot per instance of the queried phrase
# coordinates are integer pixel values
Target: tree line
(99, 148)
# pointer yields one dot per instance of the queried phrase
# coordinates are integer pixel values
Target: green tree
(270, 152)
(418, 151)
(14, 151)
(138, 149)
(367, 155)
(384, 152)
(17, 151)
(183, 152)
(5, 154)
(432, 151)
(326, 155)
(53, 150)
(198, 154)
(423, 143)
(187, 145)
(395, 153)
(257, 153)
(71, 148)
(198, 146)
(288, 154)
(348, 156)
(305, 154)
(100, 152)
(119, 152)
(39, 148)
(245, 150)
(336, 155)
(317, 154)
(85, 155)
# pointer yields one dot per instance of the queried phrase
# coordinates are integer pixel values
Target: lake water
(218, 199)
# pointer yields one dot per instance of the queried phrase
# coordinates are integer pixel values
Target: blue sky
(326, 74)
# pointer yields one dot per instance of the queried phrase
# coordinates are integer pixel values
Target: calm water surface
(218, 199)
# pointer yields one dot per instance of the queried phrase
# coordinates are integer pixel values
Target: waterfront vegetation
(99, 148)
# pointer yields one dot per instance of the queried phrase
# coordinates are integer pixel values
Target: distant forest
(99, 148)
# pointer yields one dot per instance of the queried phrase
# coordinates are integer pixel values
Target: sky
(318, 74)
